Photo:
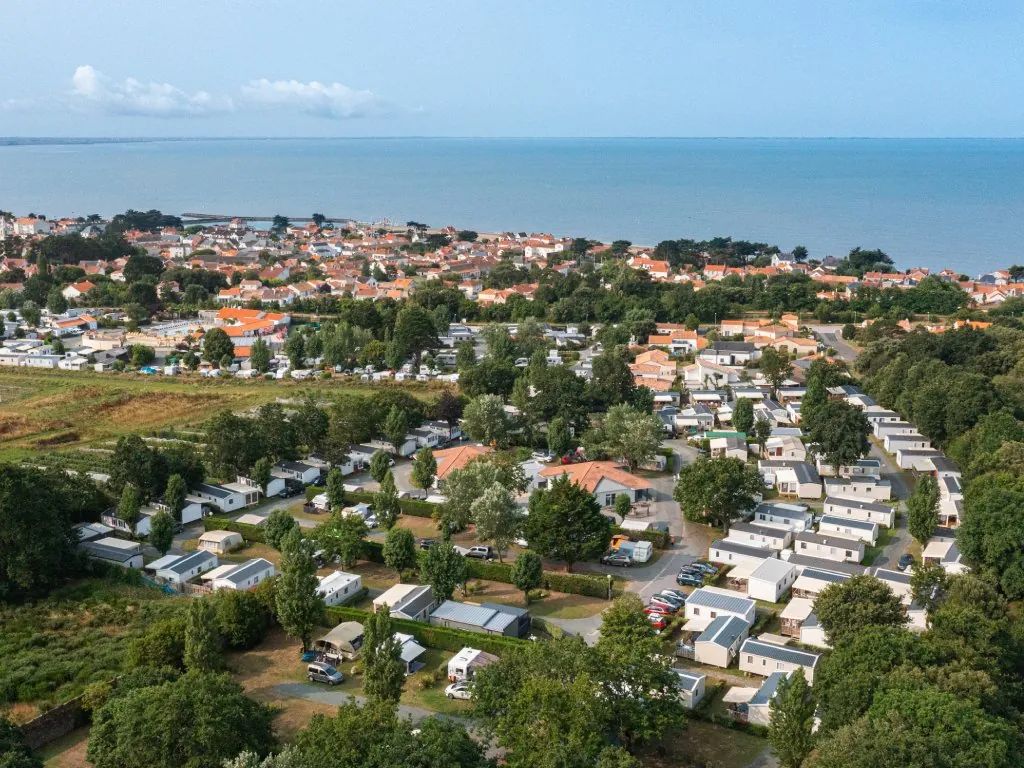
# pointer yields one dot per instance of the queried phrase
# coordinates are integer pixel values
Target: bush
(660, 539)
(570, 583)
(249, 532)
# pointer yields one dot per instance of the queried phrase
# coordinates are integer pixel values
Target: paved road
(832, 336)
(900, 536)
(326, 695)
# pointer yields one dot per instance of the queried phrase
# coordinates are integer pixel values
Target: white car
(543, 456)
(459, 690)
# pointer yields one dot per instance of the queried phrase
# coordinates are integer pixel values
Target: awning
(739, 695)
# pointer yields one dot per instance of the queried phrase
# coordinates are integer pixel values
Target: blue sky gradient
(893, 68)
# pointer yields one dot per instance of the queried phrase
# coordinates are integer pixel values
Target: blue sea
(934, 203)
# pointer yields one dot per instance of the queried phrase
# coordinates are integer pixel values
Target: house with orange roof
(656, 269)
(458, 457)
(976, 324)
(606, 480)
(29, 227)
(795, 346)
(77, 290)
(678, 341)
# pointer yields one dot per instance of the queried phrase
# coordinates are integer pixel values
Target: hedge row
(660, 539)
(571, 583)
(411, 507)
(441, 638)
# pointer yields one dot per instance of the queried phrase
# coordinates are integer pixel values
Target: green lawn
(705, 744)
(872, 553)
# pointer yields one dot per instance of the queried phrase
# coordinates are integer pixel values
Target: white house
(771, 580)
(794, 517)
(946, 553)
(863, 511)
(753, 705)
(862, 468)
(707, 603)
(720, 641)
(730, 447)
(884, 428)
(225, 498)
(730, 553)
(127, 554)
(730, 353)
(760, 658)
(862, 488)
(829, 547)
(245, 576)
(691, 687)
(917, 459)
(856, 529)
(339, 587)
(695, 418)
(893, 443)
(407, 601)
(308, 474)
(188, 567)
(793, 478)
(753, 535)
(707, 375)
(786, 447)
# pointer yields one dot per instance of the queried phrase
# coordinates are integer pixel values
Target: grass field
(706, 745)
(44, 410)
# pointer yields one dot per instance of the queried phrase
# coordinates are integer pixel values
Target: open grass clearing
(707, 745)
(67, 751)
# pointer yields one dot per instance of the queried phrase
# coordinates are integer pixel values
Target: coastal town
(504, 498)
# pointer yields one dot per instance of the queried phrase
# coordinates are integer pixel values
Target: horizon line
(623, 137)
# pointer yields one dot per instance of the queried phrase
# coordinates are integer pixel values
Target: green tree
(386, 505)
(202, 641)
(792, 719)
(241, 617)
(775, 366)
(380, 465)
(400, 550)
(161, 532)
(565, 523)
(853, 606)
(384, 670)
(31, 314)
(449, 407)
(259, 356)
(424, 469)
(217, 345)
(134, 463)
(717, 491)
(623, 505)
(486, 421)
(55, 302)
(414, 332)
(443, 569)
(497, 518)
(335, 490)
(13, 751)
(161, 646)
(174, 495)
(839, 434)
(632, 435)
(462, 487)
(928, 583)
(342, 536)
(559, 438)
(261, 473)
(141, 355)
(624, 622)
(465, 356)
(991, 533)
(923, 509)
(396, 427)
(743, 415)
(278, 525)
(311, 424)
(527, 573)
(762, 431)
(129, 506)
(612, 381)
(197, 720)
(300, 608)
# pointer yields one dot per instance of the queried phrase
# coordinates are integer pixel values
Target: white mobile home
(794, 615)
(691, 687)
(829, 547)
(813, 581)
(339, 587)
(720, 641)
(464, 664)
(730, 553)
(245, 576)
(225, 498)
(407, 601)
(127, 554)
(862, 488)
(855, 529)
(893, 443)
(761, 658)
(188, 567)
(753, 535)
(917, 459)
(771, 580)
(712, 602)
(882, 428)
(856, 509)
(792, 478)
(753, 705)
(793, 517)
(220, 542)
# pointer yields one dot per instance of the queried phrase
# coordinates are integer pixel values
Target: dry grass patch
(67, 751)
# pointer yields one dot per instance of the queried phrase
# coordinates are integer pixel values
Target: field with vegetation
(44, 410)
(52, 650)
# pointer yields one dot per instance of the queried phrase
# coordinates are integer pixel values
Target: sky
(288, 68)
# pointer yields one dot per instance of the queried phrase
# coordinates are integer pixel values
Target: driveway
(832, 336)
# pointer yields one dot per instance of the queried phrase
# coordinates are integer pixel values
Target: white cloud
(92, 90)
(334, 101)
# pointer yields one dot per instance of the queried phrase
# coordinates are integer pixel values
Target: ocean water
(934, 203)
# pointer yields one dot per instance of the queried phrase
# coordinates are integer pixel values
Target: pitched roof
(456, 458)
(779, 653)
(589, 474)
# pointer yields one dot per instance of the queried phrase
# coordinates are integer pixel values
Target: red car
(657, 610)
(658, 621)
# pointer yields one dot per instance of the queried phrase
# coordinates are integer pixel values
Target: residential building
(720, 641)
(863, 511)
(604, 479)
(486, 618)
(829, 547)
(338, 588)
(730, 553)
(760, 658)
(245, 576)
(187, 567)
(770, 580)
(407, 601)
(856, 529)
(707, 603)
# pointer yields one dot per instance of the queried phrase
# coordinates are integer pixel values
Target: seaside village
(268, 273)
(748, 596)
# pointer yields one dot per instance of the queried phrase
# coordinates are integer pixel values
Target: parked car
(662, 601)
(292, 488)
(684, 578)
(614, 558)
(319, 672)
(707, 568)
(480, 552)
(658, 621)
(426, 543)
(543, 456)
(461, 690)
(906, 560)
(660, 610)
(676, 593)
